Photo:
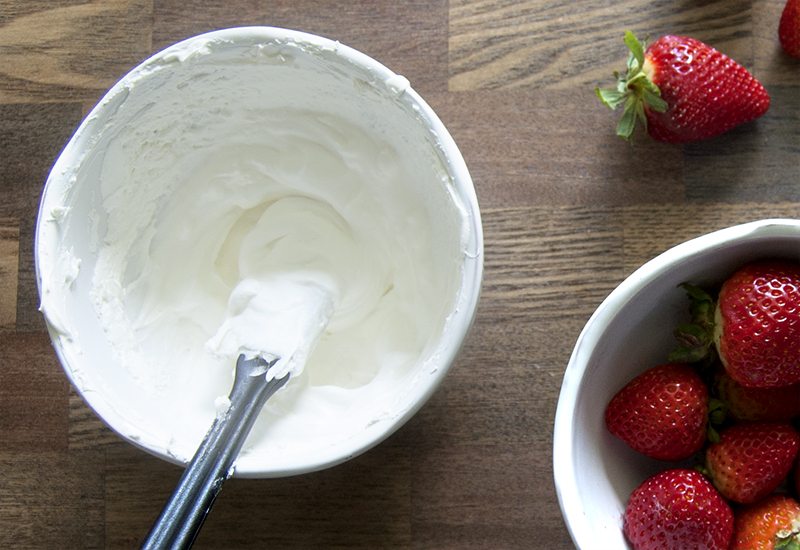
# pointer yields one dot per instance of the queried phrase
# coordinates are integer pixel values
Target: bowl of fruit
(676, 424)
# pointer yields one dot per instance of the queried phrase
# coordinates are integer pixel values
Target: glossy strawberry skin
(707, 92)
(677, 509)
(789, 28)
(662, 413)
(759, 526)
(758, 324)
(752, 459)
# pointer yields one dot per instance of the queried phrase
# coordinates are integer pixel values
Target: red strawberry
(683, 90)
(742, 403)
(789, 28)
(758, 324)
(768, 524)
(752, 459)
(677, 509)
(662, 413)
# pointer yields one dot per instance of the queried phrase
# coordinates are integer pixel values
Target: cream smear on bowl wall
(228, 183)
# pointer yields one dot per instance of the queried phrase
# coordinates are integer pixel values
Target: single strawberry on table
(769, 524)
(677, 509)
(752, 459)
(661, 413)
(789, 28)
(683, 90)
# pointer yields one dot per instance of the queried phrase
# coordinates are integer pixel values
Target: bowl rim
(465, 305)
(568, 493)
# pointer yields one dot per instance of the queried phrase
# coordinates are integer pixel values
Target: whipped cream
(244, 203)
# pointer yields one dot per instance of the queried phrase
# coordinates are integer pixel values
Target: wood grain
(559, 45)
(32, 136)
(545, 156)
(645, 240)
(770, 64)
(568, 212)
(59, 504)
(66, 51)
(531, 270)
(750, 163)
(9, 264)
(418, 51)
(86, 430)
(364, 503)
(33, 394)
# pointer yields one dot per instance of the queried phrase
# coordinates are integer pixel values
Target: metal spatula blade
(183, 515)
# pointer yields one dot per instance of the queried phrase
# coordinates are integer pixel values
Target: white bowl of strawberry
(676, 424)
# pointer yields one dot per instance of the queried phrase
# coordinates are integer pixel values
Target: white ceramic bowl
(336, 79)
(630, 332)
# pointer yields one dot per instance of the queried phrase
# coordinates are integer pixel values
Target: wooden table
(569, 210)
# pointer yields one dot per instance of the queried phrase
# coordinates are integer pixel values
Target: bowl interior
(275, 72)
(630, 332)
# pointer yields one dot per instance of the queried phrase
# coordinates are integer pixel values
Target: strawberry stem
(635, 46)
(787, 541)
(696, 338)
(635, 90)
(716, 418)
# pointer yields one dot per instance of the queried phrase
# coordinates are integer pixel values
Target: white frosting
(238, 208)
(279, 317)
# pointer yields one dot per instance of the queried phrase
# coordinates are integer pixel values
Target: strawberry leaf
(610, 98)
(628, 121)
(640, 116)
(653, 100)
(789, 542)
(717, 411)
(636, 48)
(688, 351)
(701, 308)
(712, 434)
(693, 335)
(696, 338)
(634, 90)
(696, 293)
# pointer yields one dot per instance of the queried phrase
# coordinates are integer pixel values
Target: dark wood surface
(569, 211)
